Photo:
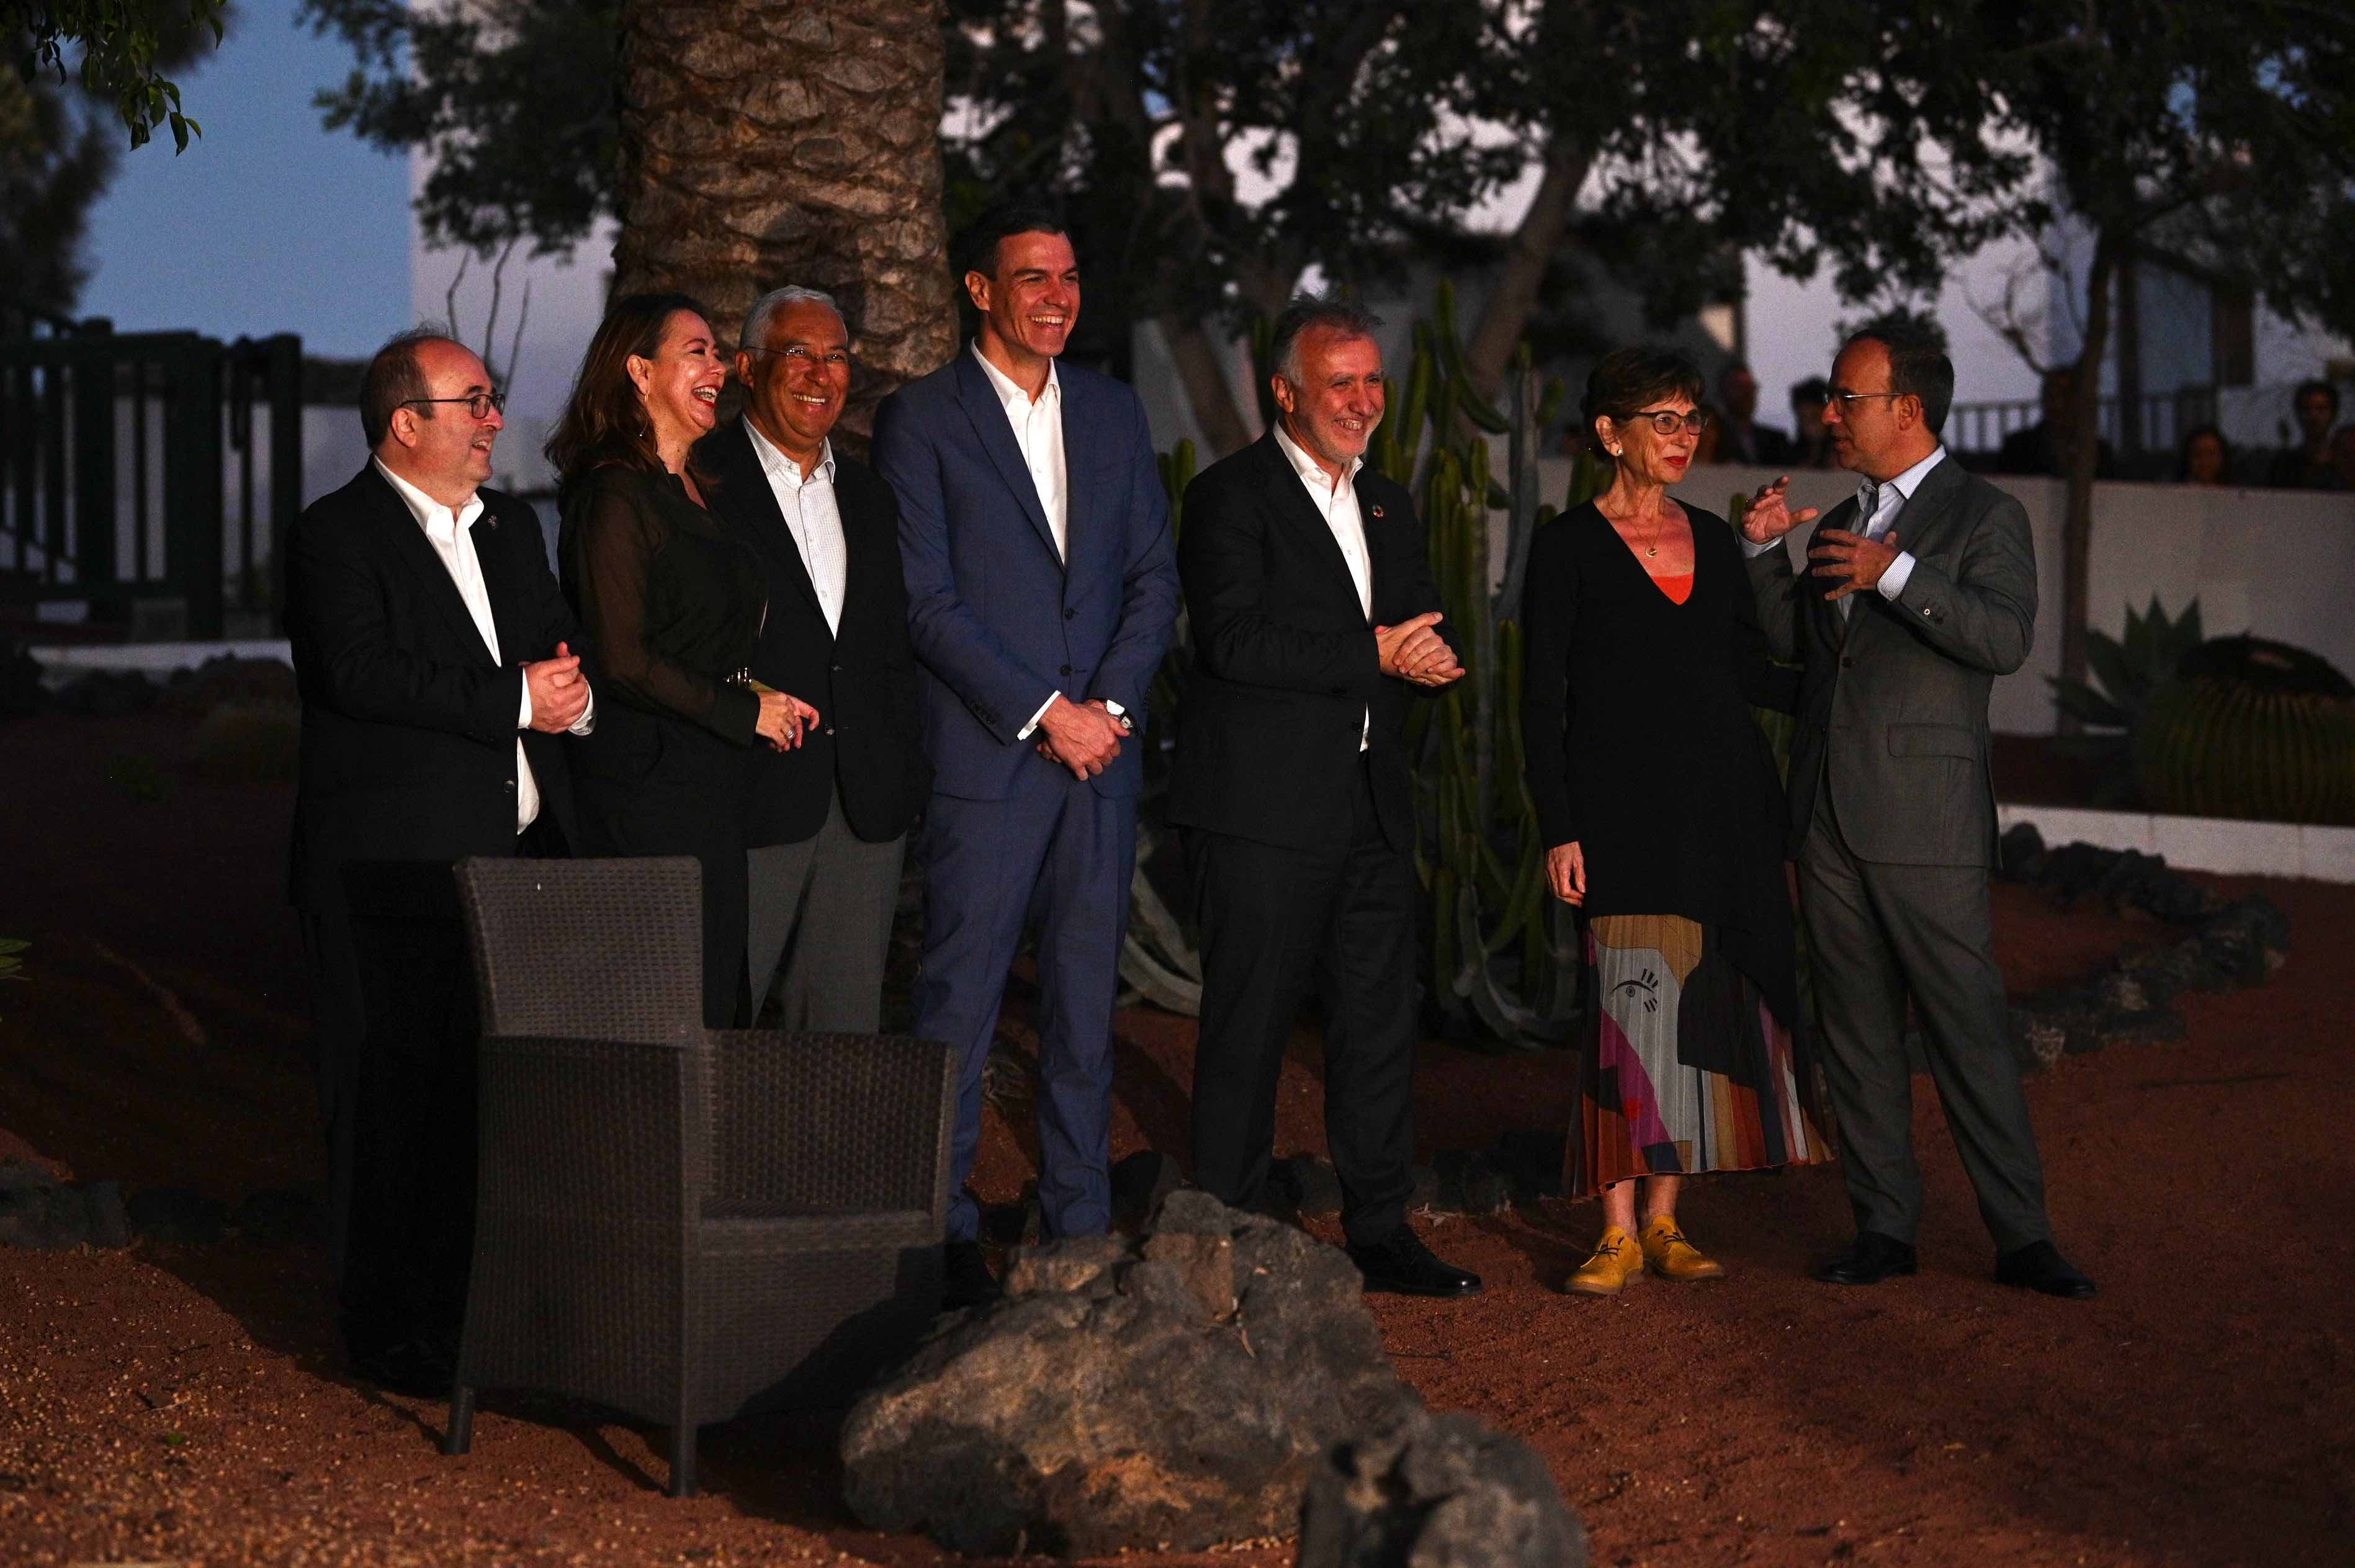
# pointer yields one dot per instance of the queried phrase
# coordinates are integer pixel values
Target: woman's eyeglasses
(1667, 421)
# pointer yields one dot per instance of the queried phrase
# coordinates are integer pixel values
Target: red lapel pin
(1377, 511)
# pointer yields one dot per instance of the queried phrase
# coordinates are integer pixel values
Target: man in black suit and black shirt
(1313, 613)
(437, 666)
(827, 818)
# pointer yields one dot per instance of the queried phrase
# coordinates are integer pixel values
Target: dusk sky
(268, 223)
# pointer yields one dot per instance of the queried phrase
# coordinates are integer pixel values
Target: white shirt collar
(1307, 467)
(1017, 401)
(439, 522)
(774, 459)
(1905, 483)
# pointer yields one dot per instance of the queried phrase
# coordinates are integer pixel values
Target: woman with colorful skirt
(1664, 820)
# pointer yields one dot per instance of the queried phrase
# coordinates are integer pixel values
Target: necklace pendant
(1654, 551)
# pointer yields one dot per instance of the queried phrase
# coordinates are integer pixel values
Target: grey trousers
(823, 907)
(1875, 934)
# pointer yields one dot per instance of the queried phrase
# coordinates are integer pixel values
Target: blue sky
(268, 223)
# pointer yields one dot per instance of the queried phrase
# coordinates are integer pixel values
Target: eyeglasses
(478, 404)
(803, 352)
(1848, 399)
(1667, 421)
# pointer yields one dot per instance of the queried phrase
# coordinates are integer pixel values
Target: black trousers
(1273, 922)
(397, 1028)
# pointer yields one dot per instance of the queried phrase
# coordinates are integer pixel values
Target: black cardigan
(1641, 747)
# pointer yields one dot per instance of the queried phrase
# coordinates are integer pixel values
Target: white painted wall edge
(153, 658)
(2200, 843)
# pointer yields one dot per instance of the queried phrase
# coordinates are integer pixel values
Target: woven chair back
(590, 949)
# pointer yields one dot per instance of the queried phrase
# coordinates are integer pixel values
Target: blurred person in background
(2204, 457)
(1812, 447)
(1740, 437)
(2308, 466)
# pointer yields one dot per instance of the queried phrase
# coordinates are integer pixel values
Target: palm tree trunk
(2084, 428)
(775, 145)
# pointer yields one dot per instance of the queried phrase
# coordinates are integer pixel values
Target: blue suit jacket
(997, 620)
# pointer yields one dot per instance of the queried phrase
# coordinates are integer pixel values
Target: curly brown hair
(604, 422)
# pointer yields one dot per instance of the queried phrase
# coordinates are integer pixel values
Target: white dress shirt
(1877, 506)
(813, 516)
(451, 536)
(1336, 502)
(1039, 431)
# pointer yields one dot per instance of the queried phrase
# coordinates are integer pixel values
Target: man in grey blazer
(1923, 591)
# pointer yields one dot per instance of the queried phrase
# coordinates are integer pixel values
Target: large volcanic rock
(1172, 1393)
(1437, 1491)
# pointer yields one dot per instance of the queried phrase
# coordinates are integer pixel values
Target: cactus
(2251, 729)
(1159, 958)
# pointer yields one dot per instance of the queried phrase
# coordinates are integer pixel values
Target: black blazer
(861, 680)
(1284, 663)
(409, 725)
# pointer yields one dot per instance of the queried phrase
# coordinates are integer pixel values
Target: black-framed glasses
(1667, 421)
(478, 404)
(1848, 399)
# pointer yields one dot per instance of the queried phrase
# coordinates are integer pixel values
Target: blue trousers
(1056, 855)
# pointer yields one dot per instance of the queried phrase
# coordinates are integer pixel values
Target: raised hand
(1856, 561)
(1769, 517)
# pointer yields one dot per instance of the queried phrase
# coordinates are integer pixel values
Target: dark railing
(116, 486)
(2162, 420)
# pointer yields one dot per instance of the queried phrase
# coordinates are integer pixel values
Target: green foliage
(2129, 670)
(125, 47)
(2250, 729)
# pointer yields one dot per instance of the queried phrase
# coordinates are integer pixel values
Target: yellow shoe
(1616, 1263)
(1669, 1255)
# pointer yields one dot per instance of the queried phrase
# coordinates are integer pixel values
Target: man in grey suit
(1923, 591)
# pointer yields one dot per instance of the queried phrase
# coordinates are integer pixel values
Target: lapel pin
(1377, 511)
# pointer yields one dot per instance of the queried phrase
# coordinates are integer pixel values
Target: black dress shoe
(413, 1369)
(2039, 1266)
(1401, 1264)
(965, 1279)
(1870, 1259)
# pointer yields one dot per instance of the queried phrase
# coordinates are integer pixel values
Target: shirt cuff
(523, 716)
(1895, 576)
(1752, 549)
(587, 723)
(1024, 733)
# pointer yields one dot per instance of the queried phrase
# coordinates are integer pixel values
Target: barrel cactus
(2250, 729)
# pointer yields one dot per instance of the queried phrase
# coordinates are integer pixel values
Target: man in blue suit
(1041, 592)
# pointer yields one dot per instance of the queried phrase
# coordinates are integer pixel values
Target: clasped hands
(1084, 737)
(1412, 651)
(1853, 562)
(559, 692)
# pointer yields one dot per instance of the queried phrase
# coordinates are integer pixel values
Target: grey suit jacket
(1894, 700)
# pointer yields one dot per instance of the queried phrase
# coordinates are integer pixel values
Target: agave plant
(2131, 670)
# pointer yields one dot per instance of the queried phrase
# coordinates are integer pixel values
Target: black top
(860, 675)
(1286, 674)
(1641, 745)
(671, 603)
(409, 724)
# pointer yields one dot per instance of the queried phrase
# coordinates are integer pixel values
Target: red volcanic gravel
(187, 1406)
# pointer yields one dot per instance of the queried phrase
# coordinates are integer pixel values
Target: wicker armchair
(685, 1224)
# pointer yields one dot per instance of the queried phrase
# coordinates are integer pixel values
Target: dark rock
(1532, 1159)
(1104, 1406)
(1014, 1225)
(280, 1215)
(1468, 1184)
(2036, 1040)
(225, 677)
(1306, 1185)
(2019, 853)
(177, 1215)
(1437, 1491)
(21, 692)
(39, 1210)
(1140, 1181)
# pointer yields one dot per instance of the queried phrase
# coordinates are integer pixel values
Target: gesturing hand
(558, 691)
(1082, 736)
(1768, 516)
(1566, 872)
(1856, 561)
(783, 719)
(1412, 651)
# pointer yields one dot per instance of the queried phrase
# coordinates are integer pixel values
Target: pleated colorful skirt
(1685, 1067)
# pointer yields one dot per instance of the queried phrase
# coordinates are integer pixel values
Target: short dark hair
(1025, 215)
(1305, 311)
(1628, 378)
(394, 377)
(1918, 366)
(1814, 389)
(2308, 388)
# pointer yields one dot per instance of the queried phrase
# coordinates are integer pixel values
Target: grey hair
(756, 320)
(1305, 311)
